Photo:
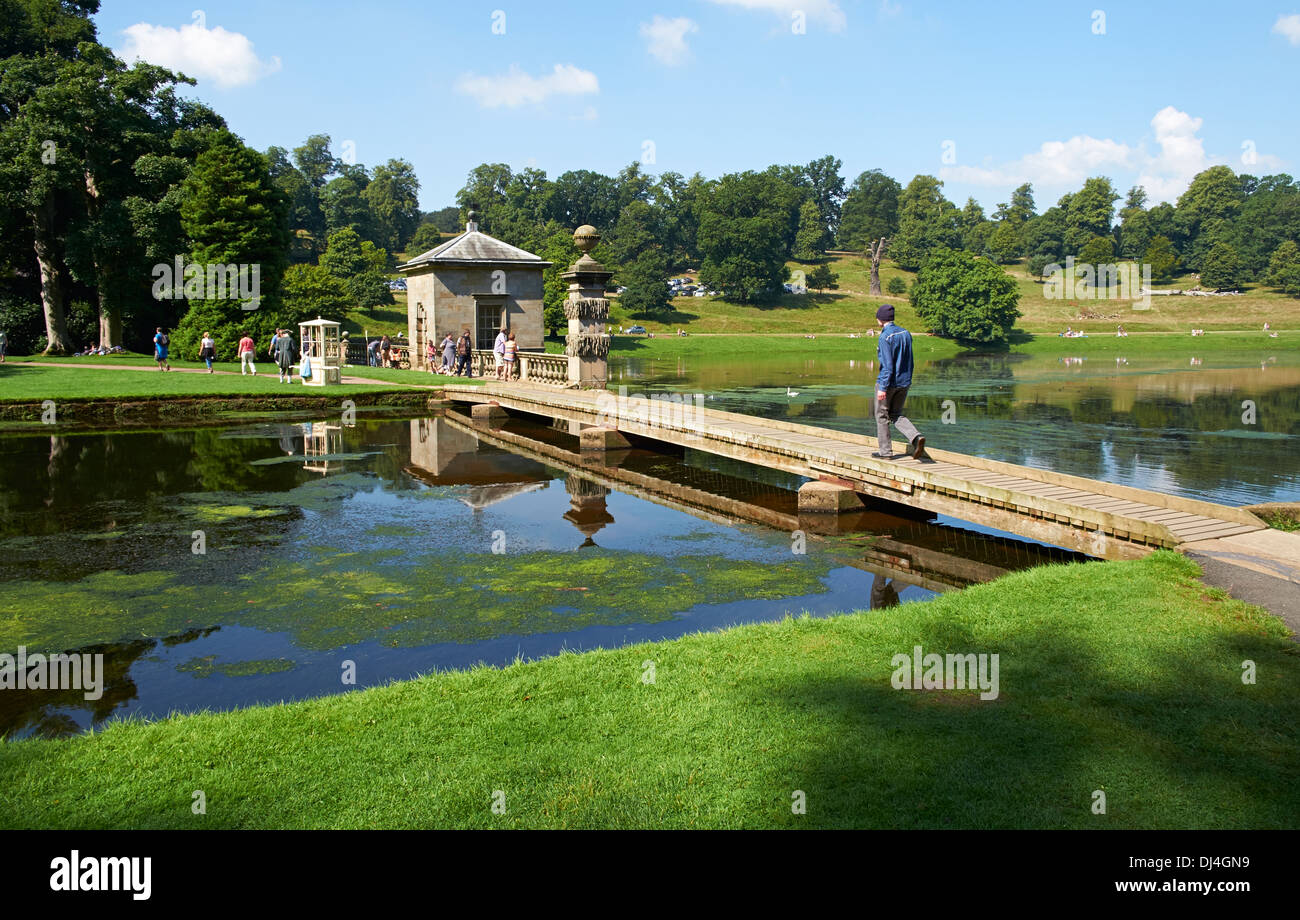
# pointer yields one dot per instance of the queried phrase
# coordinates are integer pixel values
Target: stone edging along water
(146, 411)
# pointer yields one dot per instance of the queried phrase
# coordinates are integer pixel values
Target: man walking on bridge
(894, 352)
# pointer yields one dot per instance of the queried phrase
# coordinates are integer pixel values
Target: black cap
(886, 313)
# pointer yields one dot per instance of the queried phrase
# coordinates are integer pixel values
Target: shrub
(966, 298)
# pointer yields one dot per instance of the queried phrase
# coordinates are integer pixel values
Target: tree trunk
(52, 295)
(876, 251)
(110, 318)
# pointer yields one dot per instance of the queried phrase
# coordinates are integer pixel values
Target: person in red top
(246, 350)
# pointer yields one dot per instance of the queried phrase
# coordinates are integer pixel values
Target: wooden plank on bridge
(1050, 506)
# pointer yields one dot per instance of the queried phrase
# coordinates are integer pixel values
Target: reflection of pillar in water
(883, 593)
(587, 510)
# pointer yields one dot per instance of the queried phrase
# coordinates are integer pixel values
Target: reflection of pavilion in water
(443, 455)
(895, 543)
(320, 442)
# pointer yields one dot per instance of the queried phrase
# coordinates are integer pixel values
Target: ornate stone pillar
(587, 344)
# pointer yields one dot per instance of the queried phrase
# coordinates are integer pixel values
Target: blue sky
(983, 95)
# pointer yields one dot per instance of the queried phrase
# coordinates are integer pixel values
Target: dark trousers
(462, 361)
(890, 409)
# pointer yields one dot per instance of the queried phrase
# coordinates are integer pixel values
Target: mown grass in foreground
(1122, 677)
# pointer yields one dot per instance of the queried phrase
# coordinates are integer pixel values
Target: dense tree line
(108, 174)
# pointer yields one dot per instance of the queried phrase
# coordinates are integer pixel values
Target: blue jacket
(894, 351)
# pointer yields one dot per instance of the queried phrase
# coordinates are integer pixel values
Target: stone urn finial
(585, 238)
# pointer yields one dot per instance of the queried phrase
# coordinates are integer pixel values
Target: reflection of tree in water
(48, 713)
(979, 385)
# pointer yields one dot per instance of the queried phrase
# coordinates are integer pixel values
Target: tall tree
(927, 221)
(812, 237)
(344, 203)
(586, 197)
(1269, 217)
(315, 160)
(1134, 228)
(744, 221)
(870, 211)
(828, 193)
(234, 215)
(1088, 213)
(1206, 210)
(484, 192)
(1021, 208)
(394, 198)
(360, 265)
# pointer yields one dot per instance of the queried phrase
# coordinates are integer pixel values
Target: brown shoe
(918, 450)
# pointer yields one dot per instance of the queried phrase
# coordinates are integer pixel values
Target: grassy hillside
(851, 309)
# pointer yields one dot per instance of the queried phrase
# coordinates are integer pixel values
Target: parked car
(636, 330)
(701, 293)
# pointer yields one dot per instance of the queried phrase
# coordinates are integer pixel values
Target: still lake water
(1157, 423)
(394, 548)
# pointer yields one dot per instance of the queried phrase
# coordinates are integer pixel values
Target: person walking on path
(894, 354)
(499, 352)
(160, 343)
(246, 349)
(284, 355)
(464, 349)
(510, 353)
(448, 353)
(4, 346)
(207, 350)
(385, 352)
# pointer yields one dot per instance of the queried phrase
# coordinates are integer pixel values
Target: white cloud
(1059, 166)
(1288, 27)
(666, 38)
(515, 88)
(1054, 164)
(1166, 175)
(890, 9)
(826, 12)
(225, 58)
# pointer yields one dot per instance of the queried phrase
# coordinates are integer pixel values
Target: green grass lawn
(1123, 677)
(1214, 347)
(20, 383)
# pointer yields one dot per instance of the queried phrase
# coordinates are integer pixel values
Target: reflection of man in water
(883, 593)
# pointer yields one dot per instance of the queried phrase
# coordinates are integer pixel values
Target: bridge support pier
(489, 412)
(599, 438)
(827, 498)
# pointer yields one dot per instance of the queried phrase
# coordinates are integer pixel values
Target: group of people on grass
(100, 350)
(282, 352)
(457, 351)
(382, 352)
